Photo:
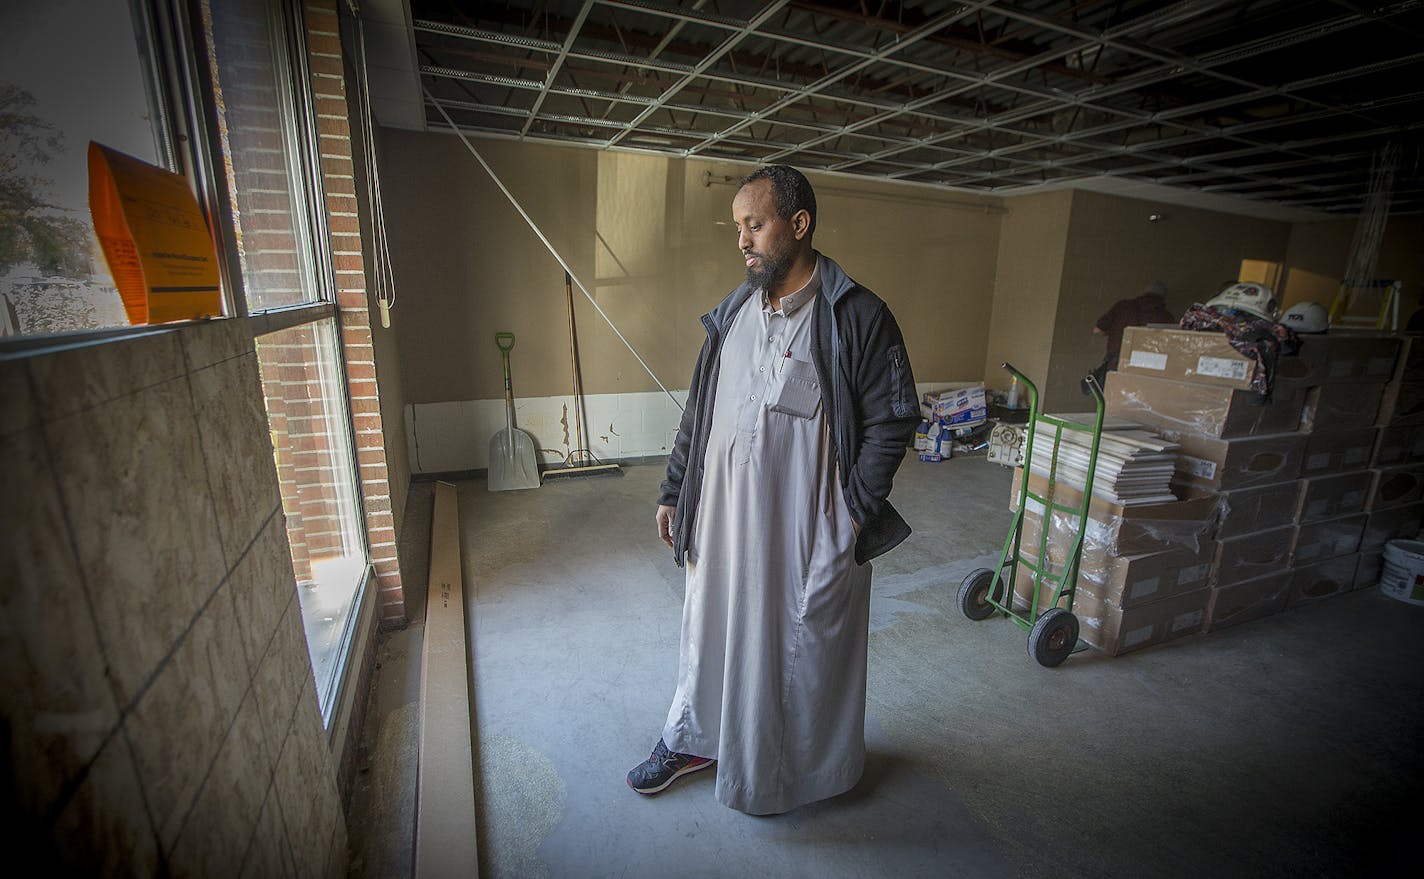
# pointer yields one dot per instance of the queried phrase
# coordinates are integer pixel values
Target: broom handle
(574, 364)
(504, 349)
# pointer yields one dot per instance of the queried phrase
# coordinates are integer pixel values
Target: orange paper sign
(154, 239)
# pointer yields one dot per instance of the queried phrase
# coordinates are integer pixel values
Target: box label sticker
(1137, 636)
(1193, 574)
(1317, 509)
(1183, 622)
(1222, 367)
(1354, 498)
(1148, 360)
(1198, 467)
(1143, 588)
(1315, 462)
(1341, 368)
(1357, 456)
(1380, 366)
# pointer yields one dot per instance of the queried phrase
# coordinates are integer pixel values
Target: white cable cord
(532, 225)
(384, 277)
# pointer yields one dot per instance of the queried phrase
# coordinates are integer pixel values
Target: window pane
(261, 133)
(52, 274)
(306, 407)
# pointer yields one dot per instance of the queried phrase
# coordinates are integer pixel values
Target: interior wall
(652, 237)
(1318, 252)
(158, 702)
(1029, 273)
(1114, 250)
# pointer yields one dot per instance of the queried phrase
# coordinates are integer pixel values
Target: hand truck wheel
(1053, 637)
(974, 594)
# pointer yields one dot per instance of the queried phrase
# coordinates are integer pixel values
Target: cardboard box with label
(1401, 444)
(1252, 555)
(1328, 539)
(1247, 510)
(1339, 494)
(1127, 581)
(1209, 410)
(1248, 600)
(1339, 406)
(1359, 356)
(1115, 630)
(1396, 487)
(1214, 464)
(1324, 580)
(1396, 523)
(1402, 404)
(1114, 529)
(1338, 451)
(958, 404)
(1205, 358)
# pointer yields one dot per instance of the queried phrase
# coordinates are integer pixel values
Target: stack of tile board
(1134, 466)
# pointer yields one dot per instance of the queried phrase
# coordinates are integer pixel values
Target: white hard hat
(1307, 317)
(1250, 297)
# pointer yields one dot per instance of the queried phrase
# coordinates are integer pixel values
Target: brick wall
(303, 431)
(349, 262)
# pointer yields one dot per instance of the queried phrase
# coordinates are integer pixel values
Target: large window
(53, 278)
(264, 123)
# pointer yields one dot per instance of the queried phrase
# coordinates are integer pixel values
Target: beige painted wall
(1317, 253)
(652, 237)
(1029, 273)
(1113, 251)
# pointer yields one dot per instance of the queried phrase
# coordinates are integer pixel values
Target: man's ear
(801, 223)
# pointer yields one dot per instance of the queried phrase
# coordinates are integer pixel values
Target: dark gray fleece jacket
(872, 407)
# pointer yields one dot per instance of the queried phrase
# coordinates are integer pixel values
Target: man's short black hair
(790, 191)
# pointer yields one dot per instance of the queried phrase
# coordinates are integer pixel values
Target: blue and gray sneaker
(664, 767)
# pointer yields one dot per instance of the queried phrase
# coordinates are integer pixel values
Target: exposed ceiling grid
(1277, 101)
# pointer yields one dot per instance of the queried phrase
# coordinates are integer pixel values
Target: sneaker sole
(686, 770)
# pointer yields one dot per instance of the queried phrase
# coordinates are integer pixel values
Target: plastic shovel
(512, 463)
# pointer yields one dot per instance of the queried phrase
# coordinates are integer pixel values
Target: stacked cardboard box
(1311, 483)
(1144, 566)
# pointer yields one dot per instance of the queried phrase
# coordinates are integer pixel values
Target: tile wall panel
(237, 449)
(104, 829)
(220, 828)
(56, 701)
(181, 721)
(132, 474)
(262, 586)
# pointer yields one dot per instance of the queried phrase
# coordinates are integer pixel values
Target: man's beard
(771, 268)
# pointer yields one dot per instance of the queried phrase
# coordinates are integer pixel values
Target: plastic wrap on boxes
(1327, 497)
(1209, 410)
(1116, 630)
(1338, 406)
(1328, 539)
(1247, 510)
(1253, 555)
(1396, 487)
(1248, 600)
(1395, 523)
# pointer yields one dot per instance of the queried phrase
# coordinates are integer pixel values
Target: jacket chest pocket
(799, 393)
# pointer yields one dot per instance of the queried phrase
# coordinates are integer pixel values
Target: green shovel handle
(505, 341)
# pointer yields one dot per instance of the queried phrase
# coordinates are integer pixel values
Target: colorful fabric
(1260, 340)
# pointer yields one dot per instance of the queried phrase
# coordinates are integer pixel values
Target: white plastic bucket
(1403, 574)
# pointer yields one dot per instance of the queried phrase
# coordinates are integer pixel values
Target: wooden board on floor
(445, 796)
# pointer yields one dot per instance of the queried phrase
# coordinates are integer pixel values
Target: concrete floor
(1291, 746)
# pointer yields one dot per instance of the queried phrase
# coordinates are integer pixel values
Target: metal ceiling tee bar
(712, 58)
(992, 78)
(898, 45)
(557, 65)
(1161, 116)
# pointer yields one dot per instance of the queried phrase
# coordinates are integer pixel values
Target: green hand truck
(1052, 629)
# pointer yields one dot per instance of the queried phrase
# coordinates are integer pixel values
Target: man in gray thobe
(801, 407)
